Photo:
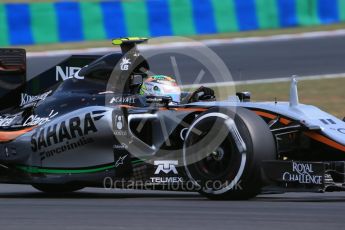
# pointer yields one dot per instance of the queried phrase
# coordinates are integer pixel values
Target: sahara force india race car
(69, 128)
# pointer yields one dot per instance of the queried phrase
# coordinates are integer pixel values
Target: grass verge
(327, 94)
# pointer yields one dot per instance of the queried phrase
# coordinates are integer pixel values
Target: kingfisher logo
(67, 73)
(124, 65)
(28, 99)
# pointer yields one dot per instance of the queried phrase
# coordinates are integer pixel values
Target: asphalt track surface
(22, 207)
(247, 61)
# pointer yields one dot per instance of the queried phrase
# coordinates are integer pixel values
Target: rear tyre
(57, 188)
(223, 155)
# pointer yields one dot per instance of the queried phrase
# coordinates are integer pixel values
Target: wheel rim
(233, 176)
(216, 164)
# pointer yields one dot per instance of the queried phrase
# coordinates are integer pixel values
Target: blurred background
(31, 22)
(259, 40)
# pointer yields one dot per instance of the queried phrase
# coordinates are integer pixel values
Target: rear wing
(14, 83)
(12, 69)
(128, 44)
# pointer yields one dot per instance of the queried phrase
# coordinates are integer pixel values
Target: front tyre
(223, 151)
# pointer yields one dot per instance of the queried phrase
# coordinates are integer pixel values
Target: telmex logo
(166, 167)
(67, 73)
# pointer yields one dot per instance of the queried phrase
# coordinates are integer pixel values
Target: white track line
(263, 81)
(280, 37)
(209, 42)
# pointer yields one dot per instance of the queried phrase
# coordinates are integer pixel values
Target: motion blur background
(46, 25)
(43, 22)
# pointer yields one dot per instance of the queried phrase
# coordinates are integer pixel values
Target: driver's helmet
(160, 85)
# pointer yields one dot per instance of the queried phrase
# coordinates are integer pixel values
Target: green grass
(327, 94)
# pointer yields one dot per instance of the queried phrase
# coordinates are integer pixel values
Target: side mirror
(244, 96)
(12, 69)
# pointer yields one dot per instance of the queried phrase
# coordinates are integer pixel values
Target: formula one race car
(83, 123)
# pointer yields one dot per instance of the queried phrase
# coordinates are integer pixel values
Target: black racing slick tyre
(57, 188)
(223, 151)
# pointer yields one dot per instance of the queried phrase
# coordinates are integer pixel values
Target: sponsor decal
(7, 120)
(28, 99)
(153, 99)
(36, 120)
(66, 147)
(67, 73)
(120, 161)
(166, 167)
(125, 63)
(166, 179)
(121, 146)
(122, 100)
(65, 131)
(303, 174)
(328, 121)
(341, 130)
(119, 126)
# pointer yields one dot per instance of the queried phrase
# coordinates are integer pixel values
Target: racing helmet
(161, 85)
